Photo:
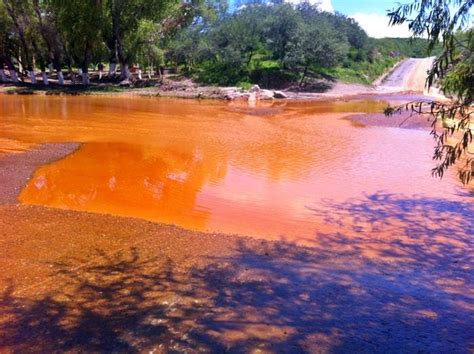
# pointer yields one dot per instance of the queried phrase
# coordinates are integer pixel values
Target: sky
(370, 14)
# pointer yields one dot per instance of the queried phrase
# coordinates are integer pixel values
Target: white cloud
(324, 5)
(376, 26)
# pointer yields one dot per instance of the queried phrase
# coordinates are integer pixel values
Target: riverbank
(187, 89)
(407, 77)
(17, 168)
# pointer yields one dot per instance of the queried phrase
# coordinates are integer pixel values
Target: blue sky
(370, 14)
(365, 6)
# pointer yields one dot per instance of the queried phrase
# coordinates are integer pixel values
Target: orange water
(269, 170)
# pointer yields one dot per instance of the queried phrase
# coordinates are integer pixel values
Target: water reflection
(128, 180)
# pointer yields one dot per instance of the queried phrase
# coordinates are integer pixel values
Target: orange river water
(270, 170)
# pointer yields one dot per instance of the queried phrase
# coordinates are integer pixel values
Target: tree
(20, 13)
(80, 22)
(124, 18)
(282, 28)
(8, 46)
(144, 45)
(315, 42)
(453, 70)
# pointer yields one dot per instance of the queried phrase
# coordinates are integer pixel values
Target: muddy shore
(184, 89)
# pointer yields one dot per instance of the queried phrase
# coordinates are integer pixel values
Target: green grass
(362, 72)
(246, 85)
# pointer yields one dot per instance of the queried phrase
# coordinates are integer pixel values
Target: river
(273, 171)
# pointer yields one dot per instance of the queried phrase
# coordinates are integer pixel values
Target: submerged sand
(77, 281)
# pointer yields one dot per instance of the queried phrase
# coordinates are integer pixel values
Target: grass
(362, 72)
(264, 71)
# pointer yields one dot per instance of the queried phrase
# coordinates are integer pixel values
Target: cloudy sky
(371, 15)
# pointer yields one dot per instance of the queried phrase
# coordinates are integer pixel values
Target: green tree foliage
(125, 18)
(8, 43)
(316, 42)
(20, 13)
(443, 22)
(80, 32)
(296, 39)
(282, 24)
(411, 47)
(80, 22)
(261, 40)
(145, 45)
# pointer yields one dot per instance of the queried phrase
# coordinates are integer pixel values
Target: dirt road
(409, 75)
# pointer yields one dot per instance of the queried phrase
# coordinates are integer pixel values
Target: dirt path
(410, 75)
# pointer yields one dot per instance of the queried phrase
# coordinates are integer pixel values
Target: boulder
(125, 83)
(252, 97)
(255, 88)
(266, 95)
(244, 96)
(279, 94)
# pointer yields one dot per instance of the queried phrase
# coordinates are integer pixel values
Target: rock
(229, 93)
(242, 96)
(266, 95)
(255, 88)
(279, 94)
(125, 82)
(252, 97)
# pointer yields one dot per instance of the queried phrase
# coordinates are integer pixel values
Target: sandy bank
(17, 168)
(403, 120)
(181, 89)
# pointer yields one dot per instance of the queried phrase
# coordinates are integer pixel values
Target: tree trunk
(304, 75)
(60, 77)
(10, 7)
(71, 74)
(249, 58)
(150, 71)
(124, 71)
(44, 75)
(112, 69)
(85, 76)
(3, 77)
(12, 71)
(32, 75)
(14, 76)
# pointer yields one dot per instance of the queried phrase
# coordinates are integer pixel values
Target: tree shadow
(354, 290)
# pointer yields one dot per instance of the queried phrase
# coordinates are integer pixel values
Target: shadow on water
(395, 276)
